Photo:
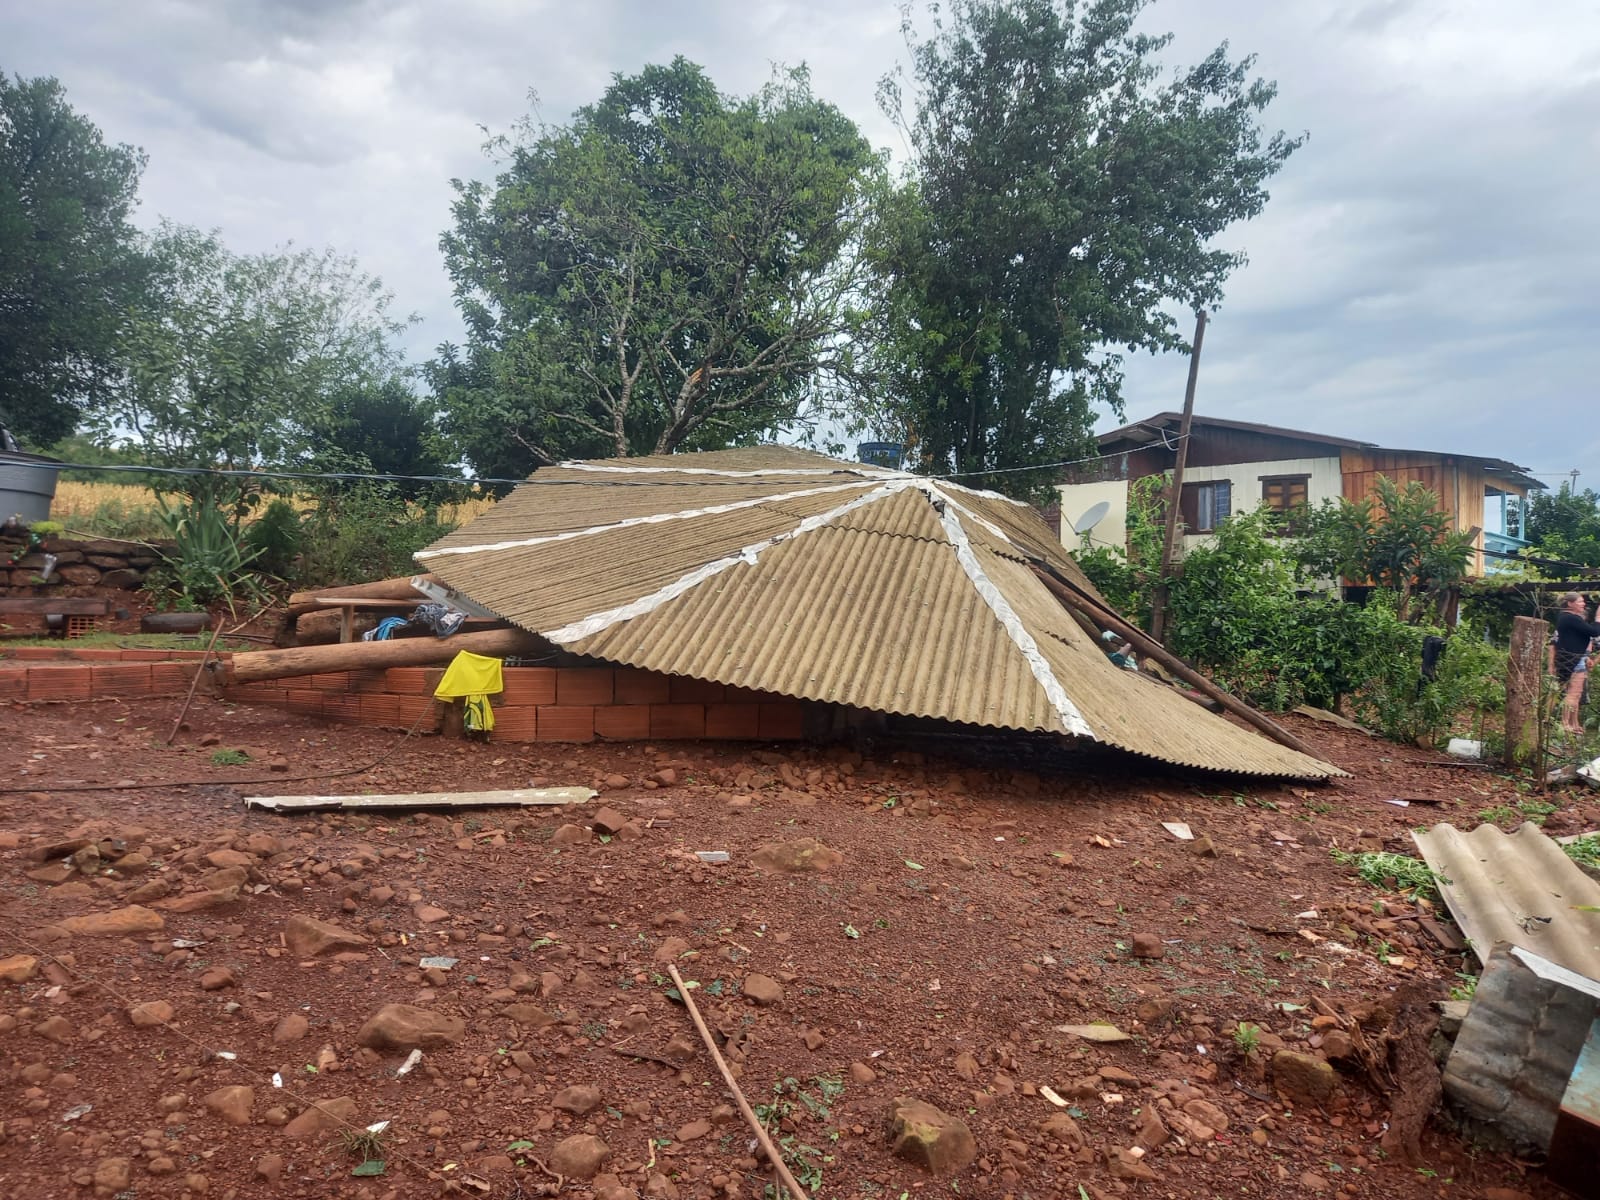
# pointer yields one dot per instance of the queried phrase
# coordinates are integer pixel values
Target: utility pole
(1158, 614)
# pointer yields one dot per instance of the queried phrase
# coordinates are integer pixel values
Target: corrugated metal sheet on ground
(1518, 888)
(872, 608)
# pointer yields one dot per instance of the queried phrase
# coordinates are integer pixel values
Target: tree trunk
(365, 656)
(1524, 684)
(383, 589)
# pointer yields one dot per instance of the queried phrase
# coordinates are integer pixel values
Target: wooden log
(398, 588)
(1524, 683)
(363, 656)
(1079, 601)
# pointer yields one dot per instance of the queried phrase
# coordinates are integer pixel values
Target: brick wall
(539, 704)
(545, 704)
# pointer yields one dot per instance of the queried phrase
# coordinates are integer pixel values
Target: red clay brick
(144, 656)
(407, 681)
(411, 709)
(35, 653)
(364, 681)
(742, 695)
(332, 682)
(529, 686)
(783, 720)
(306, 700)
(641, 687)
(120, 679)
(13, 682)
(733, 721)
(169, 677)
(261, 695)
(622, 722)
(341, 706)
(677, 720)
(566, 723)
(517, 723)
(59, 683)
(378, 708)
(97, 654)
(695, 691)
(584, 685)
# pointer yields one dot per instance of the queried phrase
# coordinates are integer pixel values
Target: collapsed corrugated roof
(1519, 888)
(784, 571)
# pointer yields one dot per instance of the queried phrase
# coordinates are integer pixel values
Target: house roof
(1161, 426)
(783, 571)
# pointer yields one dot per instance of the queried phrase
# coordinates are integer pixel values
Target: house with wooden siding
(1236, 466)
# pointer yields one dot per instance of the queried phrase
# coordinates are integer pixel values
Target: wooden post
(1158, 606)
(1524, 685)
(356, 656)
(1079, 602)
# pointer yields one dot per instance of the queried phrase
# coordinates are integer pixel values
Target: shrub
(363, 533)
(209, 561)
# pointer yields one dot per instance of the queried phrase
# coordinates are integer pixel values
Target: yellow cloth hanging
(472, 677)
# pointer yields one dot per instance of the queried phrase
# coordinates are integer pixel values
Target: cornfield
(120, 510)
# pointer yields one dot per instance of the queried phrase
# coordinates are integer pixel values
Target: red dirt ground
(985, 896)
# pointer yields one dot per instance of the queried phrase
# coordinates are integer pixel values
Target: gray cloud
(1420, 278)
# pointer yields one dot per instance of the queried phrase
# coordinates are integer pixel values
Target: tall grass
(119, 510)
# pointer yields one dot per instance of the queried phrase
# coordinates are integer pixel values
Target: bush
(364, 533)
(209, 561)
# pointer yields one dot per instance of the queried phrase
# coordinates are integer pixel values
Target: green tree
(1398, 538)
(673, 268)
(68, 264)
(1564, 525)
(385, 428)
(238, 361)
(1060, 197)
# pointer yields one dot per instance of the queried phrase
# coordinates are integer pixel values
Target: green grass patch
(1398, 872)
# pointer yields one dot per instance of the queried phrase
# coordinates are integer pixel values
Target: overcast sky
(1424, 275)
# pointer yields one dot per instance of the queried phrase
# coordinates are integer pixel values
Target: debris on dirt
(515, 798)
(1096, 1032)
(1179, 830)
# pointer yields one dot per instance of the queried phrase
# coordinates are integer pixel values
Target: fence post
(1524, 682)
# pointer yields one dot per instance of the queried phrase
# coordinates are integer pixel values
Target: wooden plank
(72, 606)
(358, 602)
(515, 798)
(358, 656)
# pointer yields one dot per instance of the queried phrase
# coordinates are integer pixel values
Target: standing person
(1574, 632)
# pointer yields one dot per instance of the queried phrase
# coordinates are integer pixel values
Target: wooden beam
(258, 665)
(1074, 599)
(513, 798)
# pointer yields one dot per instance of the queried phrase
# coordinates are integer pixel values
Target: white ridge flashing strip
(864, 470)
(589, 626)
(1020, 637)
(652, 519)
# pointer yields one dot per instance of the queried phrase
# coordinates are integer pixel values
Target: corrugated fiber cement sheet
(1518, 888)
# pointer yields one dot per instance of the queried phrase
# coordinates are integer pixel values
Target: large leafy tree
(673, 268)
(240, 361)
(68, 266)
(1061, 196)
(1564, 526)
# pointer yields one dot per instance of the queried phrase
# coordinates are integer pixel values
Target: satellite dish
(1096, 514)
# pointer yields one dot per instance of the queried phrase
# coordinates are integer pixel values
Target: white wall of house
(1079, 498)
(1324, 482)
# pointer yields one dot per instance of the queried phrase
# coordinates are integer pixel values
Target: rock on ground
(579, 1156)
(924, 1135)
(406, 1027)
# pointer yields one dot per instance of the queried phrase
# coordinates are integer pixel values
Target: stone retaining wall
(100, 563)
(539, 704)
